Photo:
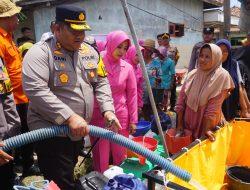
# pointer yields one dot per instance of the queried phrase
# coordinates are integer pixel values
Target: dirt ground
(80, 170)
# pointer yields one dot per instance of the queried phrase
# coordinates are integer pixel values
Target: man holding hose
(61, 75)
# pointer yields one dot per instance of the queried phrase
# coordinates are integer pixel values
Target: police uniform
(9, 119)
(196, 49)
(9, 123)
(58, 84)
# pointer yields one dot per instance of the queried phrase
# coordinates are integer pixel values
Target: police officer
(61, 75)
(208, 36)
(9, 126)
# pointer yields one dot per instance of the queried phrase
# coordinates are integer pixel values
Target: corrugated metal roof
(235, 11)
(215, 2)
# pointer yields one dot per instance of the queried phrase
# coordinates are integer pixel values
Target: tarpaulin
(207, 161)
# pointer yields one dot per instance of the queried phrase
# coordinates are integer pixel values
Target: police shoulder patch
(101, 71)
(84, 49)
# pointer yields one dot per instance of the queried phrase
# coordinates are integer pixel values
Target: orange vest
(13, 63)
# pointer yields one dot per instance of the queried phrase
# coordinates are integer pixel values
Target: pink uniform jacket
(124, 92)
(122, 82)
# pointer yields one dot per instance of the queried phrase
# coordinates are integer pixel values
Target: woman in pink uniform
(124, 92)
(133, 59)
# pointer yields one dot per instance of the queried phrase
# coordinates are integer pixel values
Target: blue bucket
(142, 128)
(125, 182)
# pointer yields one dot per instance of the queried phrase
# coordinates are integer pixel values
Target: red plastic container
(175, 144)
(148, 142)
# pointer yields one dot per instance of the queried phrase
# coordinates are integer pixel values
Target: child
(168, 74)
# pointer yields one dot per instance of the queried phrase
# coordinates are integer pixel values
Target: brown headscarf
(201, 85)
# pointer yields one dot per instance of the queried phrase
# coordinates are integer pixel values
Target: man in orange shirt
(13, 63)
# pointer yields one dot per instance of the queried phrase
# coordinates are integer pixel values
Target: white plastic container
(87, 143)
(113, 171)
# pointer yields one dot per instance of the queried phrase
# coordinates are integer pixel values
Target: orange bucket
(148, 142)
(175, 144)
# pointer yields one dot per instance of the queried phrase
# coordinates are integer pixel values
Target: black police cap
(208, 30)
(75, 16)
(164, 36)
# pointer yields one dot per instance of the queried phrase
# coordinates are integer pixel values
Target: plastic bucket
(125, 182)
(35, 185)
(148, 142)
(175, 144)
(132, 165)
(160, 151)
(142, 128)
(238, 178)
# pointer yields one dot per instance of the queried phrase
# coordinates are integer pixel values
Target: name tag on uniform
(88, 58)
(59, 58)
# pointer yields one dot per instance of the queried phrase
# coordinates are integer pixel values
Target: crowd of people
(66, 78)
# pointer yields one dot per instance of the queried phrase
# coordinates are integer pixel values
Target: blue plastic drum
(125, 182)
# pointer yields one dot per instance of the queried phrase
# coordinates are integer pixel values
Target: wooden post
(227, 18)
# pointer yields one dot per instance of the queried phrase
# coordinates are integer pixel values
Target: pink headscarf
(109, 37)
(130, 55)
(101, 45)
(201, 85)
(114, 39)
(103, 53)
